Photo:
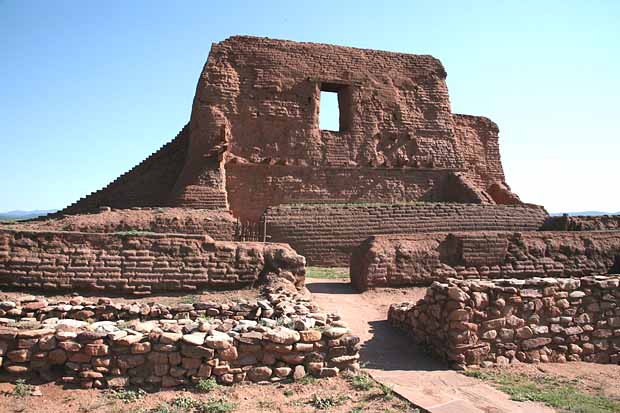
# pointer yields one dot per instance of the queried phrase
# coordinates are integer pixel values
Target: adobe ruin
(254, 141)
(405, 193)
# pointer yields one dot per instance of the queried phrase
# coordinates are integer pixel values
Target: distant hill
(19, 215)
(592, 213)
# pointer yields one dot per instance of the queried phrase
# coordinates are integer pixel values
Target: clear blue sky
(88, 89)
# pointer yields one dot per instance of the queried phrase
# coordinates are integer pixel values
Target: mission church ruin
(253, 140)
(404, 193)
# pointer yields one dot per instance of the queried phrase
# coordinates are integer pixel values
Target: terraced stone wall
(499, 322)
(420, 259)
(138, 263)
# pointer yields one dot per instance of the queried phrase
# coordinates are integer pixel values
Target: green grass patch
(126, 395)
(207, 385)
(327, 272)
(326, 402)
(555, 392)
(362, 382)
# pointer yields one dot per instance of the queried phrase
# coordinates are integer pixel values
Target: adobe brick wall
(254, 188)
(138, 263)
(219, 225)
(484, 323)
(258, 101)
(327, 234)
(582, 223)
(147, 184)
(281, 336)
(419, 259)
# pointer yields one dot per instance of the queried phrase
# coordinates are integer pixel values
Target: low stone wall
(582, 223)
(419, 259)
(282, 336)
(327, 234)
(482, 323)
(219, 225)
(138, 263)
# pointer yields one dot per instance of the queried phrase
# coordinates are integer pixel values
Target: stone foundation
(481, 323)
(419, 259)
(280, 337)
(138, 263)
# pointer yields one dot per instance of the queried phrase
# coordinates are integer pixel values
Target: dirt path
(390, 357)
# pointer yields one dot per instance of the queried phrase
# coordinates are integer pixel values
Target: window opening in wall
(329, 111)
(335, 107)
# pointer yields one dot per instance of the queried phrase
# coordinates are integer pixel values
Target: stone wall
(423, 258)
(582, 223)
(482, 323)
(281, 336)
(327, 234)
(138, 263)
(219, 225)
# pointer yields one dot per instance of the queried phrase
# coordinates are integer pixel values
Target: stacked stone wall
(327, 234)
(501, 322)
(419, 259)
(137, 262)
(278, 337)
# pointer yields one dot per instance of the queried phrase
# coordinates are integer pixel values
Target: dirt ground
(284, 398)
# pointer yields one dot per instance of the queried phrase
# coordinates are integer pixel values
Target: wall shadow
(343, 287)
(391, 349)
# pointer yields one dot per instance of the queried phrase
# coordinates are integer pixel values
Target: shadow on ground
(391, 349)
(343, 287)
(383, 347)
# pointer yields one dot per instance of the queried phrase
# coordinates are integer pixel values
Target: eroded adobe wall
(482, 323)
(105, 344)
(219, 225)
(254, 188)
(582, 223)
(258, 103)
(327, 234)
(419, 259)
(148, 184)
(138, 263)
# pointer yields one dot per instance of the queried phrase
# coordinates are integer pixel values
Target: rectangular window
(335, 107)
(329, 113)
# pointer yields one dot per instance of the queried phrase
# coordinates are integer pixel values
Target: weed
(362, 382)
(264, 404)
(184, 402)
(307, 379)
(388, 393)
(207, 385)
(126, 395)
(288, 393)
(326, 402)
(216, 406)
(21, 389)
